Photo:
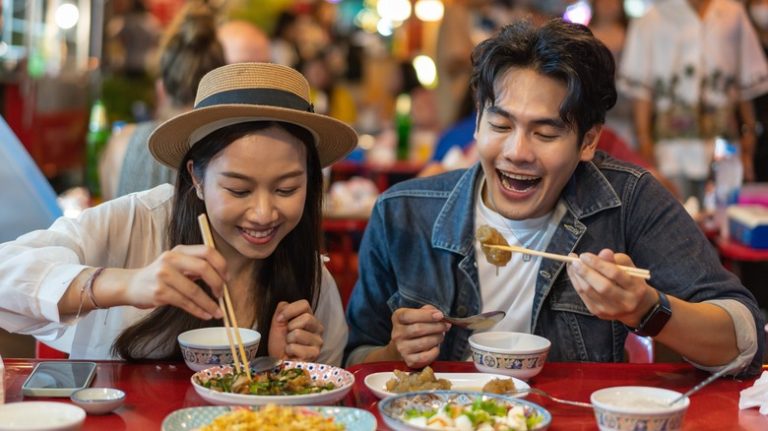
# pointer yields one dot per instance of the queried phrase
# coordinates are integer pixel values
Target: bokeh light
(66, 16)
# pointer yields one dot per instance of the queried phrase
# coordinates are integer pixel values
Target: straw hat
(243, 92)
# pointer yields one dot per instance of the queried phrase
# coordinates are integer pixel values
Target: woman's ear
(195, 181)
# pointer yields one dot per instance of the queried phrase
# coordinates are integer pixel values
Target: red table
(734, 251)
(713, 408)
(155, 390)
(152, 392)
(382, 175)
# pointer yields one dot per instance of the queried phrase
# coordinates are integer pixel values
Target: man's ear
(478, 117)
(589, 144)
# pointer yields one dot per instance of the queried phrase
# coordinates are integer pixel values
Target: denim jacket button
(461, 311)
(545, 274)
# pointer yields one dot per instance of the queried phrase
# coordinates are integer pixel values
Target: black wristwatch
(653, 322)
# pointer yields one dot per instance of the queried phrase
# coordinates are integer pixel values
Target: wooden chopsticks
(228, 312)
(634, 272)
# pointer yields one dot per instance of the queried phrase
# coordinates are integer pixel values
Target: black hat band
(257, 96)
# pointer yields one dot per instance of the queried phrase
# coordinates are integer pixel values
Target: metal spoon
(478, 321)
(696, 388)
(264, 363)
(537, 391)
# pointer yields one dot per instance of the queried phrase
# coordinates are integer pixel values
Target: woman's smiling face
(254, 192)
(527, 151)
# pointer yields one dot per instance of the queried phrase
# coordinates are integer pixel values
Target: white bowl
(626, 408)
(40, 416)
(206, 347)
(98, 401)
(515, 354)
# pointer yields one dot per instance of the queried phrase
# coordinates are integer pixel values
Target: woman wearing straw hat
(122, 279)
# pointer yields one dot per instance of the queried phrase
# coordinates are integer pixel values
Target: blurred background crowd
(374, 64)
(397, 70)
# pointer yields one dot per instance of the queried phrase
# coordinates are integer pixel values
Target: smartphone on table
(58, 378)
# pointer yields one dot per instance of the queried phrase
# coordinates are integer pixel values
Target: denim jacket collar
(589, 192)
(454, 228)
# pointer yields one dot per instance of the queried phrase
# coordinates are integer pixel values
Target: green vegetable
(533, 419)
(416, 413)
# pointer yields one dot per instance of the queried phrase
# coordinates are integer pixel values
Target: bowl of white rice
(627, 408)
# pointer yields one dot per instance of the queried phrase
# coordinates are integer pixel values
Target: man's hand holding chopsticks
(608, 292)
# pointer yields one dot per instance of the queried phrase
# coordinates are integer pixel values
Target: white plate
(40, 416)
(467, 382)
(342, 378)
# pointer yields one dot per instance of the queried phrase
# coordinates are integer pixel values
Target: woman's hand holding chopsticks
(295, 332)
(609, 292)
(170, 280)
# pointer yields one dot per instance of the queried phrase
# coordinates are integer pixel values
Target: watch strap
(656, 318)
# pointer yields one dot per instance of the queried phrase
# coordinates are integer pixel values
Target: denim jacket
(418, 249)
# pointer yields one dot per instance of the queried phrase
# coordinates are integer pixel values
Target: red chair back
(44, 351)
(639, 349)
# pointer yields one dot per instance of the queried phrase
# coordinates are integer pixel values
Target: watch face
(655, 320)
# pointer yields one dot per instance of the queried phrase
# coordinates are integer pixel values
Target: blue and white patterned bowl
(629, 408)
(192, 418)
(515, 354)
(340, 377)
(206, 347)
(393, 408)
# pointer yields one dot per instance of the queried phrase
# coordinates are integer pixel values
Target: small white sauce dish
(98, 401)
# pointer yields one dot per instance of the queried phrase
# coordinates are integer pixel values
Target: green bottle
(96, 141)
(403, 125)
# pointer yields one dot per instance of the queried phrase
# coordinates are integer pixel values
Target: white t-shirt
(511, 288)
(129, 232)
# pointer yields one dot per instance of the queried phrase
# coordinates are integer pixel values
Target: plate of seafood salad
(269, 418)
(292, 383)
(462, 411)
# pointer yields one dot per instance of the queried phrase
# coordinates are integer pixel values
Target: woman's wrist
(109, 288)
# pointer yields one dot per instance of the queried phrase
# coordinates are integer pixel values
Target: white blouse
(129, 232)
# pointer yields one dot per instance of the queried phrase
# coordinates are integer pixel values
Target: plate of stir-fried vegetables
(292, 383)
(462, 411)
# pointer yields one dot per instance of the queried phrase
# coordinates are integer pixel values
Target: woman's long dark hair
(291, 273)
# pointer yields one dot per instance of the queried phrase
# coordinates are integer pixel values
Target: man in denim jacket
(543, 95)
